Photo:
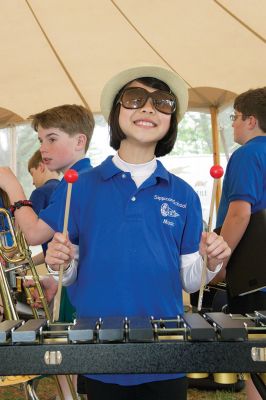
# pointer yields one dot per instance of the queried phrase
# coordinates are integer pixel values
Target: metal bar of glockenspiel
(170, 330)
(161, 320)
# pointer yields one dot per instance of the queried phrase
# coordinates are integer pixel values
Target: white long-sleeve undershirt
(190, 271)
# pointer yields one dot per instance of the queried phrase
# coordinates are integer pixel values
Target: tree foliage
(194, 135)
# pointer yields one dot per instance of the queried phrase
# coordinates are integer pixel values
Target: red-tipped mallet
(70, 176)
(216, 173)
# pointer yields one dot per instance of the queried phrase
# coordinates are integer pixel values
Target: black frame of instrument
(215, 342)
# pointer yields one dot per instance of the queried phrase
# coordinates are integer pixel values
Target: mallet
(70, 177)
(216, 173)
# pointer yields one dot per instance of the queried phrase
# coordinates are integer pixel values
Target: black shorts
(173, 389)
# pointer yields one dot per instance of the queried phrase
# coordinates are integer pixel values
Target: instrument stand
(259, 384)
(29, 391)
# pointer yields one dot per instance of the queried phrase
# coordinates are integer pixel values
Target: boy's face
(240, 127)
(37, 175)
(144, 125)
(58, 149)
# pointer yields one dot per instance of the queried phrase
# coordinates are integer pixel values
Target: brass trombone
(9, 308)
(18, 253)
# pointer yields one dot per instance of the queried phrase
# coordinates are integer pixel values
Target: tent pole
(216, 148)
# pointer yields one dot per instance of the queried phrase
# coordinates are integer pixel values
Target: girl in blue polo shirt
(138, 227)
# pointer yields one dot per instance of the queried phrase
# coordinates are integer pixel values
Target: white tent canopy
(63, 51)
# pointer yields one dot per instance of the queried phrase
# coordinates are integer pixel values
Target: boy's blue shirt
(40, 197)
(245, 177)
(58, 198)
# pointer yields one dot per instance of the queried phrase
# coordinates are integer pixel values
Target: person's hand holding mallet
(70, 177)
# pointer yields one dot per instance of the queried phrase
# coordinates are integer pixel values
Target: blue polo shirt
(245, 177)
(130, 241)
(40, 198)
(56, 207)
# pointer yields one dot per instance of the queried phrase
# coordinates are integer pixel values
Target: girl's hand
(60, 252)
(215, 248)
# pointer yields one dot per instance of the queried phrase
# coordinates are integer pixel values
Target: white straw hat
(173, 80)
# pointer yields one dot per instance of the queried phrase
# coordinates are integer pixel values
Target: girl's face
(144, 125)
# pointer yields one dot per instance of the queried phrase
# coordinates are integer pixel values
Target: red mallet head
(216, 171)
(71, 176)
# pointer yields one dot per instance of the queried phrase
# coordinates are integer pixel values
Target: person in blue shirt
(64, 133)
(45, 181)
(244, 189)
(137, 226)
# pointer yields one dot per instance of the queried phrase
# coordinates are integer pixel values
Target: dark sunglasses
(136, 97)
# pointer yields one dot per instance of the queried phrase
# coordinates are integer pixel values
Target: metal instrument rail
(214, 342)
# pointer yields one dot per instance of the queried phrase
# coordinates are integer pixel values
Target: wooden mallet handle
(216, 172)
(70, 176)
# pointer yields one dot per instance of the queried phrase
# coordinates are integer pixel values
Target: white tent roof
(63, 51)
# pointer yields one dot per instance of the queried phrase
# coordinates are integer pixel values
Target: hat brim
(173, 80)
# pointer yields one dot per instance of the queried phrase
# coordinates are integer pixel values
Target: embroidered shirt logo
(166, 211)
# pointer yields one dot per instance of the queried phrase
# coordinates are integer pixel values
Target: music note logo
(166, 211)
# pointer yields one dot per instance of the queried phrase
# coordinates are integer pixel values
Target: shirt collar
(161, 172)
(52, 180)
(259, 138)
(109, 170)
(82, 165)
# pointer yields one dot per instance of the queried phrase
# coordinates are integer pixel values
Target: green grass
(46, 390)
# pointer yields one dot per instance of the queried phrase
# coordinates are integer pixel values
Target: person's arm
(191, 271)
(234, 227)
(36, 231)
(49, 286)
(38, 259)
